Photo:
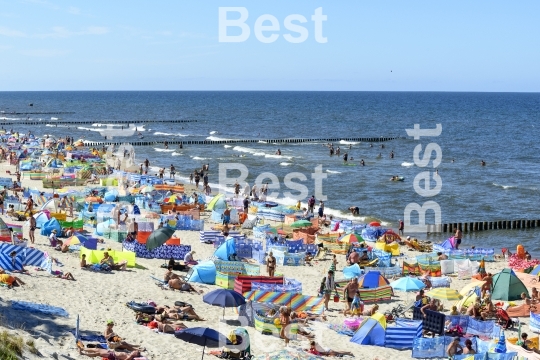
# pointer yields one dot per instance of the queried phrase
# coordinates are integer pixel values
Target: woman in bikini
(108, 354)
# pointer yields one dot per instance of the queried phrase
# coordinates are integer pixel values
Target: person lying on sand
(109, 354)
(317, 349)
(65, 276)
(181, 285)
(165, 327)
(120, 344)
(182, 313)
(11, 281)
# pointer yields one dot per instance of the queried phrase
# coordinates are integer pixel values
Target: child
(357, 306)
(334, 263)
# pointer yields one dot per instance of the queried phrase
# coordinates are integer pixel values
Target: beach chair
(504, 319)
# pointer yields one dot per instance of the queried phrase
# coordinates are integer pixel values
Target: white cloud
(62, 32)
(44, 52)
(4, 31)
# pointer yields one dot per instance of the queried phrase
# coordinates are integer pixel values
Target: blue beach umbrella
(202, 336)
(224, 298)
(407, 284)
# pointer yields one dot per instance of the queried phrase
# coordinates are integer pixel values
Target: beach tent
(380, 318)
(392, 248)
(102, 226)
(204, 272)
(41, 218)
(370, 332)
(50, 205)
(507, 286)
(49, 226)
(372, 279)
(110, 195)
(352, 271)
(217, 203)
(225, 250)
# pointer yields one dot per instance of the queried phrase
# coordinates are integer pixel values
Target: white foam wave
(407, 164)
(176, 154)
(163, 150)
(262, 142)
(333, 172)
(285, 164)
(505, 187)
(199, 158)
(349, 142)
(245, 150)
(215, 138)
(227, 146)
(213, 132)
(157, 133)
(89, 129)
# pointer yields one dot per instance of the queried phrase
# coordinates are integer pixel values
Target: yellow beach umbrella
(72, 241)
(444, 294)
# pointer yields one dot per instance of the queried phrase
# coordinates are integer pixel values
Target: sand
(97, 297)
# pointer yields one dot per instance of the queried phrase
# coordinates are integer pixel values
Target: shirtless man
(169, 275)
(109, 335)
(349, 292)
(454, 348)
(178, 284)
(179, 313)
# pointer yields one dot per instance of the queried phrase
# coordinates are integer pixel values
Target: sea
(501, 129)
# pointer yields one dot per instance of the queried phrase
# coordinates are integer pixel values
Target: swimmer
(362, 162)
(278, 152)
(483, 163)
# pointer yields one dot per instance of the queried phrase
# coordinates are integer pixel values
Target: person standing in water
(278, 152)
(345, 157)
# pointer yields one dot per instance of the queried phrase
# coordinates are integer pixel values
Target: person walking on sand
(328, 286)
(271, 264)
(31, 229)
(401, 227)
(29, 205)
(191, 178)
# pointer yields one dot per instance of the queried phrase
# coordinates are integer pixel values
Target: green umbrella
(158, 237)
(301, 223)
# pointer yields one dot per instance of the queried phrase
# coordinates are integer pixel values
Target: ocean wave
(262, 142)
(407, 164)
(163, 150)
(200, 158)
(333, 172)
(505, 187)
(157, 133)
(89, 129)
(245, 150)
(349, 142)
(176, 154)
(227, 146)
(285, 164)
(215, 138)
(213, 132)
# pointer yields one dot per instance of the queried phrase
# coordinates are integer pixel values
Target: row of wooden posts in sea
(484, 226)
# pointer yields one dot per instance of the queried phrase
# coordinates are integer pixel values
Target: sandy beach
(98, 297)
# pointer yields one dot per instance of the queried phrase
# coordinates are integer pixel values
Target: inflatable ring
(144, 308)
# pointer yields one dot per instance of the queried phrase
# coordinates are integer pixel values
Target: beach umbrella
(224, 298)
(407, 284)
(202, 336)
(444, 294)
(159, 237)
(72, 241)
(301, 223)
(374, 223)
(349, 239)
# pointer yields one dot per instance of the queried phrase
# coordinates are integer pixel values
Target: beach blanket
(534, 323)
(523, 310)
(528, 280)
(376, 294)
(38, 308)
(341, 329)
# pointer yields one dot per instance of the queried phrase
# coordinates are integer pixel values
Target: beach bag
(336, 297)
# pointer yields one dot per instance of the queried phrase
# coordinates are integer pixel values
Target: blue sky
(392, 45)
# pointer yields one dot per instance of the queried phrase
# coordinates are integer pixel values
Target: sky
(391, 45)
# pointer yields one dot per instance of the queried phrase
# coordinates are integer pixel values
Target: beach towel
(38, 308)
(523, 310)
